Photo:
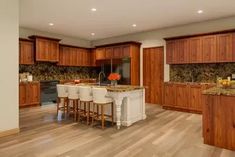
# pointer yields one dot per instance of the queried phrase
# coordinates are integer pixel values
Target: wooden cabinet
(29, 94)
(195, 49)
(219, 121)
(92, 59)
(177, 51)
(184, 96)
(181, 96)
(47, 49)
(205, 48)
(100, 54)
(108, 52)
(195, 97)
(113, 52)
(169, 94)
(224, 51)
(22, 94)
(75, 56)
(170, 48)
(26, 52)
(209, 49)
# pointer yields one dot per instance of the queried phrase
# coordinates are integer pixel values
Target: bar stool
(100, 99)
(85, 95)
(62, 98)
(73, 98)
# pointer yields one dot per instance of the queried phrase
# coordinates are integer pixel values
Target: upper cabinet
(207, 48)
(75, 56)
(46, 49)
(118, 51)
(26, 52)
(224, 47)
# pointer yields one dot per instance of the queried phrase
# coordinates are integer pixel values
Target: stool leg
(64, 104)
(88, 113)
(102, 116)
(58, 105)
(74, 110)
(93, 115)
(112, 113)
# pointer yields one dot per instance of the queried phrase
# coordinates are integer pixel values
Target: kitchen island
(219, 117)
(129, 104)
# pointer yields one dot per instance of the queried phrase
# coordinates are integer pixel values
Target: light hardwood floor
(163, 134)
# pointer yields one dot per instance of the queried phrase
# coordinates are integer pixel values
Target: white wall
(155, 37)
(25, 32)
(9, 34)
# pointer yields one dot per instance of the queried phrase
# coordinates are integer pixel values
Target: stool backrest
(73, 92)
(100, 95)
(62, 90)
(85, 93)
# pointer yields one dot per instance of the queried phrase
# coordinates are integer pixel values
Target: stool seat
(62, 98)
(100, 99)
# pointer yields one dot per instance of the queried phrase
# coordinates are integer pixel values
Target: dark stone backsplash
(207, 73)
(50, 71)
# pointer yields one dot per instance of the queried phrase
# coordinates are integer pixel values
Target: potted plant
(114, 77)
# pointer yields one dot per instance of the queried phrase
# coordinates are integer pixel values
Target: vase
(113, 82)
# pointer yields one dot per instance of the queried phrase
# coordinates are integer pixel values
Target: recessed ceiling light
(200, 11)
(93, 9)
(134, 25)
(92, 34)
(51, 24)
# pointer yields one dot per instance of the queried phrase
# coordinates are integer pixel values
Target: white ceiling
(115, 17)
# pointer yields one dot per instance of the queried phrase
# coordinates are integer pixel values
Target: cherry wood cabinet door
(53, 51)
(85, 58)
(209, 48)
(183, 51)
(126, 49)
(118, 52)
(22, 94)
(92, 60)
(224, 48)
(33, 93)
(26, 52)
(108, 52)
(42, 50)
(195, 98)
(233, 47)
(181, 96)
(169, 51)
(100, 54)
(169, 94)
(195, 49)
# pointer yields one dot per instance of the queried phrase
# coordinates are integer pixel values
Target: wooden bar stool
(100, 100)
(85, 95)
(62, 98)
(73, 98)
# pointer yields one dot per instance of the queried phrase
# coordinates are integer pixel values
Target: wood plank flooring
(163, 134)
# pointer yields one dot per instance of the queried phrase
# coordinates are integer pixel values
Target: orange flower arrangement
(114, 77)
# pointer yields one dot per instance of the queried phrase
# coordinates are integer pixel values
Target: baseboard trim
(9, 132)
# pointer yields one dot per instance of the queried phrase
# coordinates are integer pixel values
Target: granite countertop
(123, 88)
(118, 88)
(220, 91)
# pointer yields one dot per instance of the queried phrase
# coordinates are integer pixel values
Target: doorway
(153, 73)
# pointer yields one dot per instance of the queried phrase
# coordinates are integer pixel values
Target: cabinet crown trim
(200, 34)
(43, 37)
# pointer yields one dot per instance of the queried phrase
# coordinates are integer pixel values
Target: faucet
(101, 73)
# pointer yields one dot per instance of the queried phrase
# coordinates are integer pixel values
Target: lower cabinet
(29, 94)
(184, 96)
